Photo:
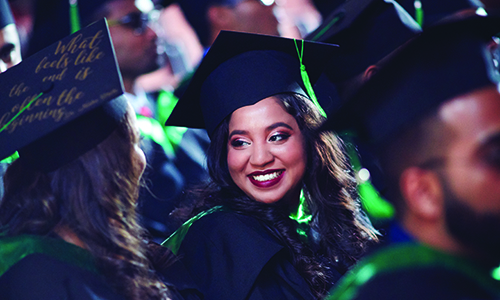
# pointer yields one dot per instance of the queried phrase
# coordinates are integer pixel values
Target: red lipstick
(266, 183)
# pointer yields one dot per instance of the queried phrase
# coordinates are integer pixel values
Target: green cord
(74, 16)
(305, 78)
(10, 159)
(20, 112)
(14, 156)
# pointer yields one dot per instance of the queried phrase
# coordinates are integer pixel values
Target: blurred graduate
(68, 221)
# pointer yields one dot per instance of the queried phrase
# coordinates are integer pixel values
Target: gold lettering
(17, 90)
(5, 119)
(40, 65)
(108, 94)
(67, 98)
(83, 73)
(96, 40)
(55, 77)
(70, 47)
(88, 104)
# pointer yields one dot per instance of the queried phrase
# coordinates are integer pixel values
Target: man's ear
(219, 16)
(369, 72)
(422, 193)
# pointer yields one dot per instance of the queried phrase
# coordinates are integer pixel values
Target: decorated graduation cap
(6, 17)
(366, 31)
(445, 61)
(62, 101)
(241, 69)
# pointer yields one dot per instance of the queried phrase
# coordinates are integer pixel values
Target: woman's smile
(267, 178)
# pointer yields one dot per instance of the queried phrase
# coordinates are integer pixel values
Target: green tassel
(305, 79)
(74, 17)
(375, 205)
(419, 13)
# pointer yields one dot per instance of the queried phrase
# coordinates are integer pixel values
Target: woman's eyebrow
(268, 128)
(234, 132)
(279, 124)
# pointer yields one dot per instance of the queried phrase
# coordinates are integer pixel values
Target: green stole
(406, 256)
(13, 249)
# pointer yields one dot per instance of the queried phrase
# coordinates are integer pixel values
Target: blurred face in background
(471, 170)
(134, 41)
(253, 16)
(10, 47)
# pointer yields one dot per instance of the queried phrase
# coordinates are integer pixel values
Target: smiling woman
(269, 163)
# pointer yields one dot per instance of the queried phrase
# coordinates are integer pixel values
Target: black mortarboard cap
(434, 10)
(78, 108)
(241, 69)
(6, 17)
(366, 31)
(445, 61)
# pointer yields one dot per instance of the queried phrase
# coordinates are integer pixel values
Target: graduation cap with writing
(6, 17)
(366, 31)
(62, 101)
(445, 61)
(241, 69)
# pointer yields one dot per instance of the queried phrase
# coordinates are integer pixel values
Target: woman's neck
(69, 236)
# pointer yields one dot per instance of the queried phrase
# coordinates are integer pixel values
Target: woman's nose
(261, 155)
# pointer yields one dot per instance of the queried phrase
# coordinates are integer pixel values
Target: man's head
(432, 112)
(208, 17)
(134, 41)
(10, 46)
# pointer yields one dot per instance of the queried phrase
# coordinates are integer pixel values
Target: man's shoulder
(413, 271)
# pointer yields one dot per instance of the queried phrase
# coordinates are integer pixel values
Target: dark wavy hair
(343, 230)
(95, 197)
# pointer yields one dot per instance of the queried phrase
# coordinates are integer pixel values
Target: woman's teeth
(267, 177)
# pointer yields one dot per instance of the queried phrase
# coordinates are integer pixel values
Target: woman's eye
(279, 137)
(238, 143)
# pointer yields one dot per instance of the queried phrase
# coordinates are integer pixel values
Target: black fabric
(232, 256)
(180, 283)
(443, 62)
(366, 31)
(39, 276)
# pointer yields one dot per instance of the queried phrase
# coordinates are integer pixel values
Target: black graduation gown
(412, 271)
(233, 256)
(44, 268)
(35, 267)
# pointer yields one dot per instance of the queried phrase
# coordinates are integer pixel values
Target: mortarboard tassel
(74, 16)
(419, 13)
(305, 79)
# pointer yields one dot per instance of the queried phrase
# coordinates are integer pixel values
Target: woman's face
(266, 153)
(138, 157)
